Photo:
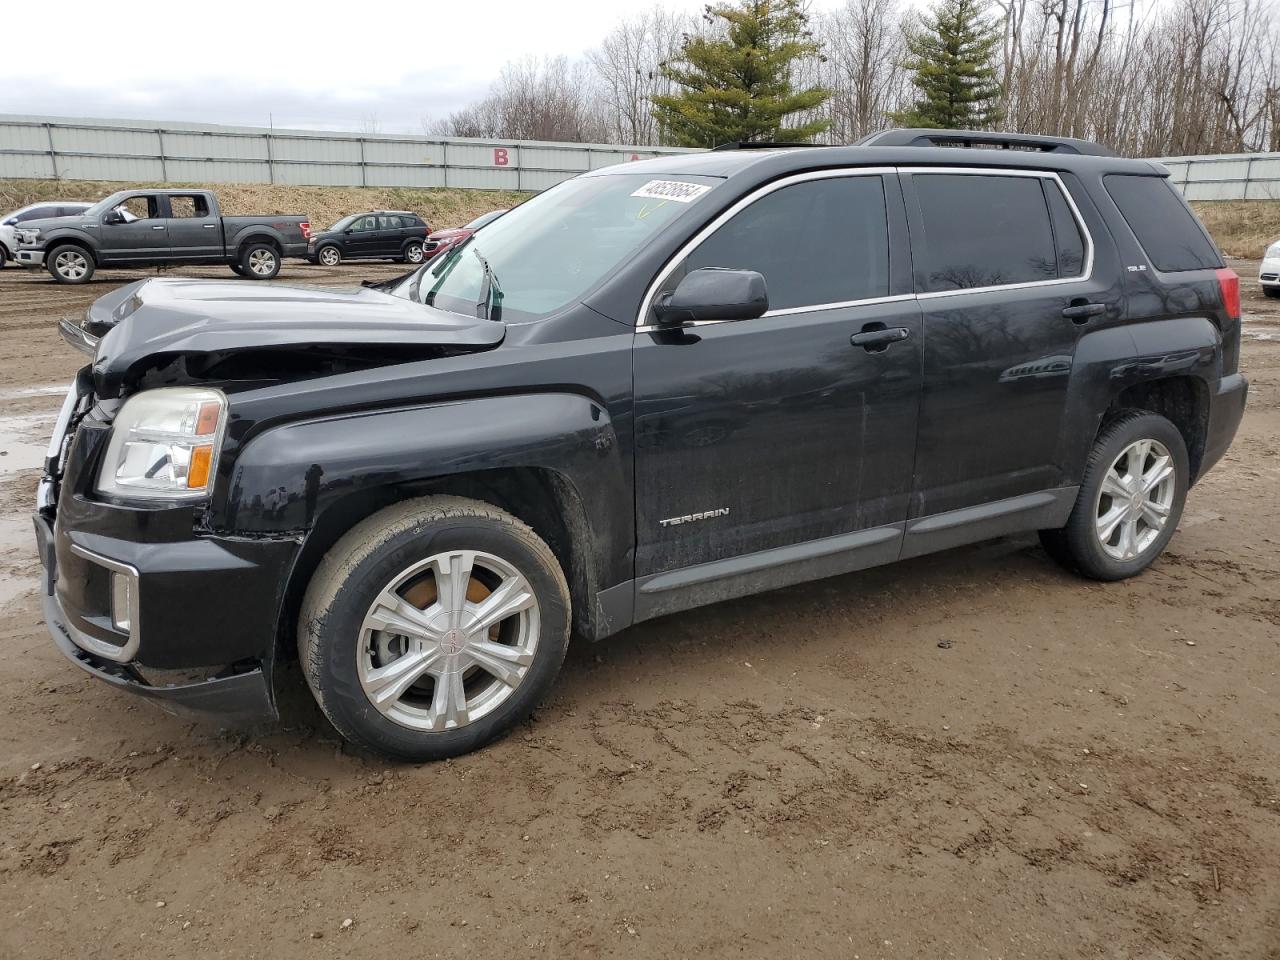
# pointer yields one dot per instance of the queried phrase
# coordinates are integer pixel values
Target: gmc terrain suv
(654, 386)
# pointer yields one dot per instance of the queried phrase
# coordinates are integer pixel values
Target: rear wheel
(1130, 501)
(259, 261)
(433, 627)
(70, 264)
(413, 252)
(329, 256)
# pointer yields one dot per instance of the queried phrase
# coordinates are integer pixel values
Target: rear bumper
(1226, 409)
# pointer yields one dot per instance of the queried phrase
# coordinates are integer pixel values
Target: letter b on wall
(500, 158)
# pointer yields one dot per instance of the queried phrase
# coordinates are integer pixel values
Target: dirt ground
(968, 755)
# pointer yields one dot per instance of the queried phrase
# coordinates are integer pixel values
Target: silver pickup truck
(143, 228)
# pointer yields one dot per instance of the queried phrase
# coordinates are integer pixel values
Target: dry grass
(324, 205)
(1243, 228)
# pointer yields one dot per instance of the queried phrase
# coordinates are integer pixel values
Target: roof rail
(981, 138)
(762, 144)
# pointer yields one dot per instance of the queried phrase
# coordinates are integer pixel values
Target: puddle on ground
(24, 438)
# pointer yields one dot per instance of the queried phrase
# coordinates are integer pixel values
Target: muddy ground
(968, 755)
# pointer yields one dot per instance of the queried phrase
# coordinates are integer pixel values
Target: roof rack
(984, 139)
(762, 144)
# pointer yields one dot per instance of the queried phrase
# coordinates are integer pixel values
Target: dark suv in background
(654, 386)
(376, 235)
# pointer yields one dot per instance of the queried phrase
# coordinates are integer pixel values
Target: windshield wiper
(490, 290)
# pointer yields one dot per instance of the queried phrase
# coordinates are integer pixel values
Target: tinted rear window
(1166, 229)
(984, 231)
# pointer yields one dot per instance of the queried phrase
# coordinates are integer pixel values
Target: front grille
(1270, 277)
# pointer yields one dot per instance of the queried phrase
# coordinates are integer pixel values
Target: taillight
(305, 227)
(1230, 284)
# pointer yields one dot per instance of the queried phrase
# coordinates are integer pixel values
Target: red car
(443, 240)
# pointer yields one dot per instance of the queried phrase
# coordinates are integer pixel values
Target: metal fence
(134, 151)
(73, 149)
(1233, 176)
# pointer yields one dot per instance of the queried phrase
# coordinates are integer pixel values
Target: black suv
(376, 235)
(654, 386)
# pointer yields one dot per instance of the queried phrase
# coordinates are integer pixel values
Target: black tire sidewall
(248, 252)
(4, 257)
(52, 257)
(344, 698)
(1081, 537)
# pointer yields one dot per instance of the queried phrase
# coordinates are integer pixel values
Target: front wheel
(1271, 292)
(4, 256)
(432, 627)
(1130, 501)
(413, 252)
(70, 264)
(259, 261)
(329, 256)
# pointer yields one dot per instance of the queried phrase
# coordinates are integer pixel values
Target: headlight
(29, 237)
(164, 444)
(1273, 252)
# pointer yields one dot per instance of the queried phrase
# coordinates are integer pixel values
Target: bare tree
(626, 66)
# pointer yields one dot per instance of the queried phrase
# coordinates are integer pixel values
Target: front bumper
(29, 257)
(1269, 273)
(203, 610)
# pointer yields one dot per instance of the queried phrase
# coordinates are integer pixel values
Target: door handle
(210, 226)
(1081, 310)
(161, 227)
(876, 337)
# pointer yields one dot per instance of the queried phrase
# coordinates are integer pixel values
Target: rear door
(779, 449)
(195, 233)
(392, 230)
(142, 237)
(1009, 280)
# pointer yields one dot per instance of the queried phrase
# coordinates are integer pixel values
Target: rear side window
(815, 242)
(986, 231)
(1166, 229)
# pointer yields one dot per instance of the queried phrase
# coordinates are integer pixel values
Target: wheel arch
(545, 499)
(267, 238)
(1182, 400)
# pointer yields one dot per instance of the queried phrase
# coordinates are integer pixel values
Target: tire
(405, 551)
(259, 261)
(412, 252)
(329, 256)
(70, 263)
(1150, 518)
(4, 256)
(237, 269)
(1271, 292)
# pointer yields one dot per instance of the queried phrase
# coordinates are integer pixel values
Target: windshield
(342, 224)
(102, 206)
(552, 249)
(484, 218)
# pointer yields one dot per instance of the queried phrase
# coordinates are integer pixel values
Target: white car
(50, 208)
(1269, 272)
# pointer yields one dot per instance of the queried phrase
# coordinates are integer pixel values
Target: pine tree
(736, 85)
(951, 53)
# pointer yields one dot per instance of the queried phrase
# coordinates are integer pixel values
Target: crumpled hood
(146, 323)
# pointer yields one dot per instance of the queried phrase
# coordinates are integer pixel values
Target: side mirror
(714, 293)
(349, 231)
(113, 216)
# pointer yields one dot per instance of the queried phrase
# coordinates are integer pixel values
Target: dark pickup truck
(144, 228)
(654, 386)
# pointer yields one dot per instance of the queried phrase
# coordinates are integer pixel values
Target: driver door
(141, 238)
(780, 449)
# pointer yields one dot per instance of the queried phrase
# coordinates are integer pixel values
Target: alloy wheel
(262, 262)
(71, 264)
(1135, 500)
(414, 253)
(448, 640)
(329, 257)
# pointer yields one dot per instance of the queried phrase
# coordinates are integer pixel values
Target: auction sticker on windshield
(675, 190)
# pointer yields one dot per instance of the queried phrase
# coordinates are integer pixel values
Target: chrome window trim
(1085, 273)
(694, 242)
(101, 648)
(698, 238)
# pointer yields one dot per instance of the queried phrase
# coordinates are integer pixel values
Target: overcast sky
(325, 64)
